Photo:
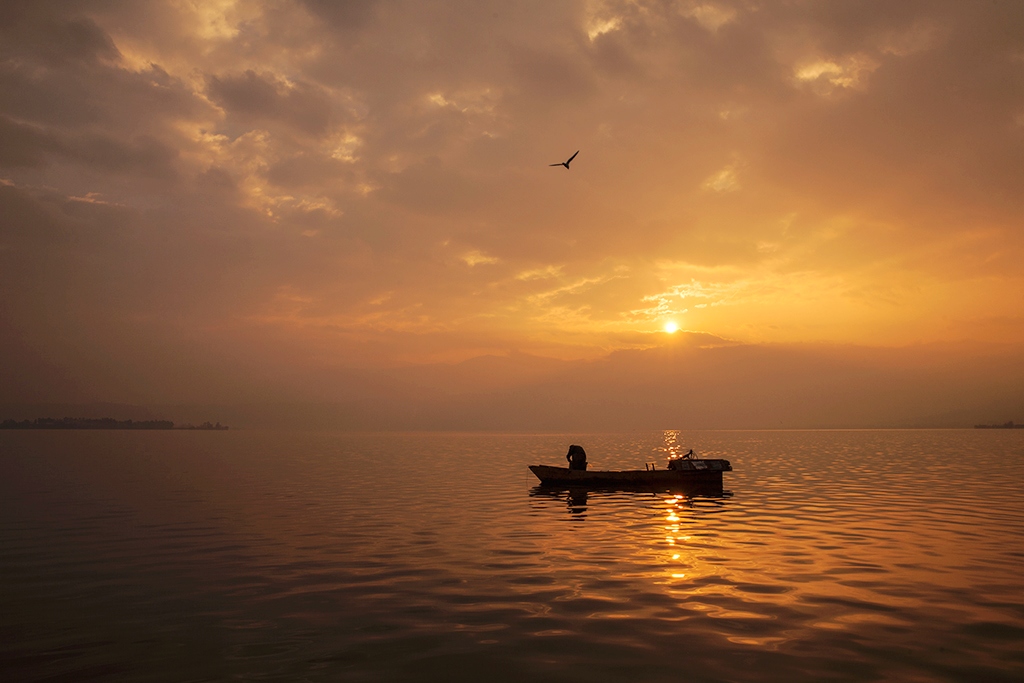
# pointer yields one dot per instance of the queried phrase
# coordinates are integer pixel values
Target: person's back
(577, 458)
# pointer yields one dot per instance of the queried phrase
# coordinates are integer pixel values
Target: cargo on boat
(681, 471)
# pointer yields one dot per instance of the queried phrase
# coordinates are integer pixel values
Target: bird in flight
(566, 163)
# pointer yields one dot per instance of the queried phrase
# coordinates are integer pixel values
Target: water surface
(193, 556)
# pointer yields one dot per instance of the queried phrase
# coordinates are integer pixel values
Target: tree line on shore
(101, 423)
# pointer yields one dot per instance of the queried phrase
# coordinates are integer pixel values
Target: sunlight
(671, 327)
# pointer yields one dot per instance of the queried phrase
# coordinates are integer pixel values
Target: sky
(788, 213)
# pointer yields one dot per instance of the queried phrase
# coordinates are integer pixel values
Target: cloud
(365, 185)
(827, 74)
(711, 16)
(31, 30)
(725, 180)
(476, 258)
(252, 97)
(343, 15)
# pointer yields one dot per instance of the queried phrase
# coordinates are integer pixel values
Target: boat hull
(563, 476)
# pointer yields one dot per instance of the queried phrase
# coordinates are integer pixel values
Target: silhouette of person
(689, 455)
(577, 458)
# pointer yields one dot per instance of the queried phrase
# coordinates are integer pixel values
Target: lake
(200, 556)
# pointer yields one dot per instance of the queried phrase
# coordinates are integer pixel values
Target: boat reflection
(577, 498)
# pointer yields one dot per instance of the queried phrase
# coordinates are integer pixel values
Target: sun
(671, 327)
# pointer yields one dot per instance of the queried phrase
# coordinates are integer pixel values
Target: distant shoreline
(104, 423)
(1005, 425)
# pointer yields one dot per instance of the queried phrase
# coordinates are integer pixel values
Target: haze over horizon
(797, 214)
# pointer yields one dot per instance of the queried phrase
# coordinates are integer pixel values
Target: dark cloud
(26, 145)
(22, 145)
(251, 98)
(30, 30)
(26, 220)
(308, 170)
(142, 154)
(343, 14)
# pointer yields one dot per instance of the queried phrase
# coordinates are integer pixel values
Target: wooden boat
(680, 472)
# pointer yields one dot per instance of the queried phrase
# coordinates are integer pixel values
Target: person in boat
(689, 455)
(577, 457)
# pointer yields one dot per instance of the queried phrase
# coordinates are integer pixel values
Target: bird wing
(556, 164)
(572, 157)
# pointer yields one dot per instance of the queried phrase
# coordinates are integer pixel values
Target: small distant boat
(680, 472)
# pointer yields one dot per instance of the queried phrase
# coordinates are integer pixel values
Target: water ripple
(857, 555)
